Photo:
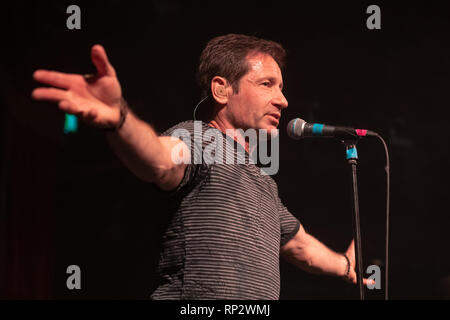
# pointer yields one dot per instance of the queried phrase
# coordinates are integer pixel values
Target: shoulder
(188, 126)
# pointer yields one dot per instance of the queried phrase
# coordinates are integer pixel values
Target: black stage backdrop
(67, 200)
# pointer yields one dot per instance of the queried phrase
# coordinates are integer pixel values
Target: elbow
(298, 250)
(170, 168)
(168, 178)
(298, 255)
(152, 174)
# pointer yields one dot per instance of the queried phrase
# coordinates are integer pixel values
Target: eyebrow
(271, 79)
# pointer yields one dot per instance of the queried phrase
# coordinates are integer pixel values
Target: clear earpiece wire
(195, 109)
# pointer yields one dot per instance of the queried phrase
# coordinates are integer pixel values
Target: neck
(224, 125)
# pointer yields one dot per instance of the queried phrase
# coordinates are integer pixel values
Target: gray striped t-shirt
(227, 226)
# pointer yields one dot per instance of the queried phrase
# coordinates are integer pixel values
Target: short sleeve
(194, 171)
(289, 224)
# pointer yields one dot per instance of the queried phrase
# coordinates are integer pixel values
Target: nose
(280, 101)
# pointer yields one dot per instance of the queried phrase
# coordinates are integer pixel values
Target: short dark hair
(225, 56)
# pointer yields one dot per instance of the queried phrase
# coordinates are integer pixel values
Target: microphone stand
(352, 157)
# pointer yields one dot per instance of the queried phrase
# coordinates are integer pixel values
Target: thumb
(101, 62)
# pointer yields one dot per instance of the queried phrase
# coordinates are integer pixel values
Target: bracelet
(123, 116)
(348, 265)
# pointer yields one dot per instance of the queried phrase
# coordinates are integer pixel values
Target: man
(228, 226)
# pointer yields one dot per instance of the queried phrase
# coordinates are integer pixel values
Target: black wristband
(123, 116)
(348, 265)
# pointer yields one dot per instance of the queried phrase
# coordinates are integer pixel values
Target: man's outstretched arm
(146, 154)
(97, 101)
(313, 256)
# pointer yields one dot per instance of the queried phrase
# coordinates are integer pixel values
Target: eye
(266, 83)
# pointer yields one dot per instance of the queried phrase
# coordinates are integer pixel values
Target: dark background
(66, 199)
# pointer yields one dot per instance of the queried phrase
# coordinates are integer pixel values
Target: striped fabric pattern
(225, 233)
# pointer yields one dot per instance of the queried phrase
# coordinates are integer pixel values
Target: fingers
(51, 94)
(368, 282)
(57, 79)
(57, 95)
(101, 62)
(91, 115)
(353, 279)
(70, 107)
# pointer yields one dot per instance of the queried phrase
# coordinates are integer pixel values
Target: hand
(95, 99)
(351, 277)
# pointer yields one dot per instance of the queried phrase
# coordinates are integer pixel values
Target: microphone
(298, 128)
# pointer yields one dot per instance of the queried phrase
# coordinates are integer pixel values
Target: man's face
(260, 100)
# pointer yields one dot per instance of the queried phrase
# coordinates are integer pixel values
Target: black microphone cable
(387, 169)
(297, 134)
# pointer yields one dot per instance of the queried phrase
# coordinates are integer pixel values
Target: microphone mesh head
(295, 128)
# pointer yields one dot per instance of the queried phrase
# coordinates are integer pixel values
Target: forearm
(138, 146)
(313, 256)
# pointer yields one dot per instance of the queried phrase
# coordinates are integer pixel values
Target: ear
(219, 89)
